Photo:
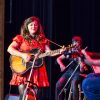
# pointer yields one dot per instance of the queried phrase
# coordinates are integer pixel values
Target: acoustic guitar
(19, 66)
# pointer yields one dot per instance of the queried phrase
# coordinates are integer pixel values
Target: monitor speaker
(12, 97)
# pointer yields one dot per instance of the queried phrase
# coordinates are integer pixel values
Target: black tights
(21, 88)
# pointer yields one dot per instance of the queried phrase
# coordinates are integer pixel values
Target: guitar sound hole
(38, 63)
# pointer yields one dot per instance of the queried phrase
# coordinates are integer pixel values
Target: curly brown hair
(38, 36)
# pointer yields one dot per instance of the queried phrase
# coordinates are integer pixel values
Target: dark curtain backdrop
(61, 19)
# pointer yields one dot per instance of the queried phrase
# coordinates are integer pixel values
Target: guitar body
(19, 66)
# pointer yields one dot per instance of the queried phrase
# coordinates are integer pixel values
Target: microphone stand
(28, 82)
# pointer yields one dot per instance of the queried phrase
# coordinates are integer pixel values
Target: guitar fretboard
(58, 51)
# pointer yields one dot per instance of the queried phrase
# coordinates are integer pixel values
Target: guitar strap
(55, 43)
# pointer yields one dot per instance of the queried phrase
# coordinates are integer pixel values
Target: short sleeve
(47, 42)
(18, 39)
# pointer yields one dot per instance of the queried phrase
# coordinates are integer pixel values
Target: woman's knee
(21, 88)
(60, 83)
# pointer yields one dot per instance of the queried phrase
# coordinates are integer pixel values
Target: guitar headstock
(69, 47)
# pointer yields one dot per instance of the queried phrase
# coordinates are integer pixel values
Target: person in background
(72, 55)
(91, 84)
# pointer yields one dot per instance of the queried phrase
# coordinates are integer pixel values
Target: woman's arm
(60, 62)
(89, 60)
(13, 50)
(96, 62)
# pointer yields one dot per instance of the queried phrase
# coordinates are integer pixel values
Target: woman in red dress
(32, 36)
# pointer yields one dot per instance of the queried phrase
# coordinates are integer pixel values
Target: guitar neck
(58, 51)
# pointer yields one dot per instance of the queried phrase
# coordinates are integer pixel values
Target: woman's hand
(26, 57)
(86, 55)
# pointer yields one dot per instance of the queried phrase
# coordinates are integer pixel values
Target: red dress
(39, 75)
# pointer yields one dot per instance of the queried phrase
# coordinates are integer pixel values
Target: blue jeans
(62, 81)
(91, 86)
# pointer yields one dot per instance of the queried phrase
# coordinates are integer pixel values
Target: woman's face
(76, 43)
(33, 27)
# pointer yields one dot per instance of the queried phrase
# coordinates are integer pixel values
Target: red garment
(96, 69)
(39, 75)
